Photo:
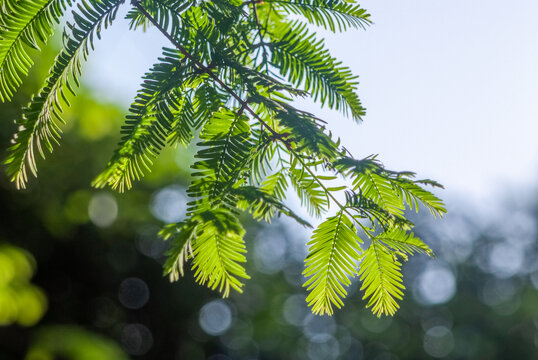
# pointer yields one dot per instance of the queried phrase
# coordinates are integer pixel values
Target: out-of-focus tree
(20, 301)
(71, 342)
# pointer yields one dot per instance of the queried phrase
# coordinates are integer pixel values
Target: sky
(451, 89)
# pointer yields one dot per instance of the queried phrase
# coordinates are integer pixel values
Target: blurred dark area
(81, 271)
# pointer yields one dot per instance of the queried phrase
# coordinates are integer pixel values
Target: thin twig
(255, 9)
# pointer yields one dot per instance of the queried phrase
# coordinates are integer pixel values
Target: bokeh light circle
(103, 209)
(133, 293)
(169, 204)
(438, 342)
(323, 347)
(436, 285)
(136, 339)
(318, 325)
(295, 309)
(270, 252)
(215, 317)
(505, 260)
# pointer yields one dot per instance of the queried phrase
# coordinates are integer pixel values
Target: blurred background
(81, 269)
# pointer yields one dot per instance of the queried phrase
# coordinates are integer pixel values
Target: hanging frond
(414, 194)
(301, 129)
(223, 158)
(305, 61)
(389, 189)
(260, 160)
(166, 12)
(185, 122)
(349, 166)
(156, 110)
(372, 181)
(336, 16)
(403, 243)
(207, 100)
(25, 24)
(378, 188)
(40, 125)
(380, 269)
(181, 235)
(306, 135)
(276, 184)
(218, 250)
(368, 209)
(257, 80)
(309, 191)
(332, 259)
(380, 273)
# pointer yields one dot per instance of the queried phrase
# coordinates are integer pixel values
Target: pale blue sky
(451, 88)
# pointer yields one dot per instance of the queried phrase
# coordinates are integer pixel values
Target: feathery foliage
(24, 24)
(40, 125)
(332, 259)
(218, 251)
(380, 269)
(163, 102)
(336, 16)
(305, 61)
(228, 79)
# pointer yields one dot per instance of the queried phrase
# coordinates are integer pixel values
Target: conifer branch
(204, 68)
(244, 106)
(217, 79)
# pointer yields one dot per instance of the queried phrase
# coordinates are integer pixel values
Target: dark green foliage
(332, 15)
(305, 61)
(163, 103)
(222, 159)
(229, 79)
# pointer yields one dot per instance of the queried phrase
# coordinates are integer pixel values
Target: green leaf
(309, 191)
(40, 126)
(332, 15)
(276, 184)
(380, 269)
(399, 240)
(181, 234)
(378, 188)
(305, 61)
(230, 80)
(415, 194)
(331, 261)
(162, 109)
(218, 250)
(226, 149)
(380, 273)
(25, 24)
(368, 209)
(390, 190)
